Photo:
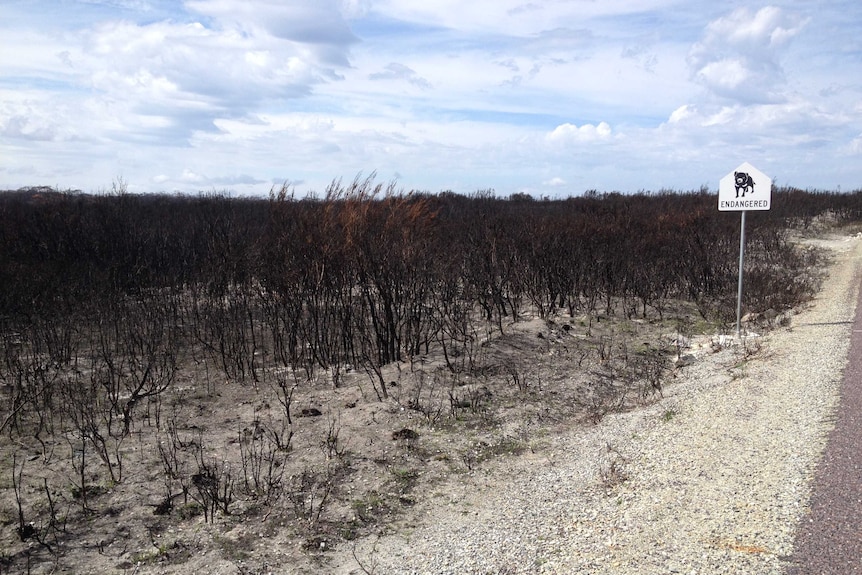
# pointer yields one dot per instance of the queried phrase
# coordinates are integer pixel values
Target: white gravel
(716, 476)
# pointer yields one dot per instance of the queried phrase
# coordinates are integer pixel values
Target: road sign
(745, 188)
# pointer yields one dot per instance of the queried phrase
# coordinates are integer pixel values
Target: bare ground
(357, 468)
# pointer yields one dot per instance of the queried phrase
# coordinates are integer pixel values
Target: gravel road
(829, 540)
(715, 478)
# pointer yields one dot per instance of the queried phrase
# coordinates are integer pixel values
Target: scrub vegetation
(257, 381)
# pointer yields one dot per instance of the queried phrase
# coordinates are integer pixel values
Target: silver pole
(739, 286)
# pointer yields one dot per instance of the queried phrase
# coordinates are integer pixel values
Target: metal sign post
(739, 284)
(745, 188)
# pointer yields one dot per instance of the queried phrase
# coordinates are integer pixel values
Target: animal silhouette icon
(744, 183)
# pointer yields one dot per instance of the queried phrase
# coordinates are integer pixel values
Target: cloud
(567, 134)
(795, 118)
(22, 122)
(192, 63)
(39, 117)
(189, 176)
(162, 81)
(355, 9)
(559, 42)
(314, 22)
(396, 71)
(681, 114)
(641, 54)
(739, 55)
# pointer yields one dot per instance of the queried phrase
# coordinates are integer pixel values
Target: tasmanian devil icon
(744, 183)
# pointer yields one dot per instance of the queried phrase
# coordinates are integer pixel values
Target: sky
(543, 97)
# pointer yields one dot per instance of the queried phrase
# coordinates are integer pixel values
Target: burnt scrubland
(256, 381)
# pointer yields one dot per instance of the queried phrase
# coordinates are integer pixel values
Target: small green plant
(369, 507)
(152, 556)
(404, 475)
(668, 415)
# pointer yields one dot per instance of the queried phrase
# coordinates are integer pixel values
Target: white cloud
(218, 67)
(354, 9)
(567, 133)
(793, 119)
(312, 22)
(682, 114)
(739, 55)
(191, 177)
(554, 182)
(397, 71)
(165, 81)
(726, 75)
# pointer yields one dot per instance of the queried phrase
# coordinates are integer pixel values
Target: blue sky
(549, 98)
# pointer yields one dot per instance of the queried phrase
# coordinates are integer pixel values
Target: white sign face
(745, 188)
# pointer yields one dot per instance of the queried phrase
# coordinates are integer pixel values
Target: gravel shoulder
(714, 478)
